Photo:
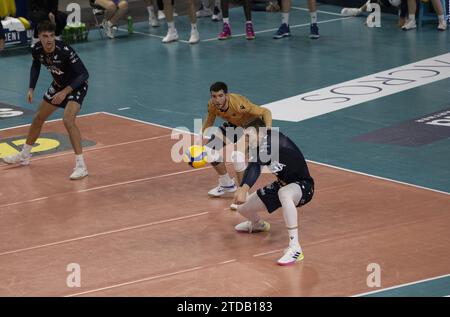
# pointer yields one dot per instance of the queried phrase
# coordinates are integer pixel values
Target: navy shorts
(269, 194)
(76, 95)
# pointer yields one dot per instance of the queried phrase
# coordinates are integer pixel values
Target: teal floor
(169, 84)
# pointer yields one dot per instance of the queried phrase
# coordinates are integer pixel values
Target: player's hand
(2, 44)
(59, 97)
(51, 17)
(30, 95)
(240, 196)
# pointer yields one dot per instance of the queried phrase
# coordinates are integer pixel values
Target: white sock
(79, 161)
(248, 22)
(26, 150)
(441, 18)
(285, 18)
(412, 17)
(151, 11)
(293, 239)
(171, 26)
(225, 180)
(193, 26)
(226, 20)
(313, 17)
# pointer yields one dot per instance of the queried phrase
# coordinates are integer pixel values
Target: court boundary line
(402, 285)
(52, 120)
(319, 11)
(104, 233)
(315, 162)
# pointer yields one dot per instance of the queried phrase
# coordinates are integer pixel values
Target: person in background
(46, 10)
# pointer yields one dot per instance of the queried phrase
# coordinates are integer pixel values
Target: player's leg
(45, 110)
(289, 197)
(195, 36)
(110, 9)
(215, 148)
(440, 13)
(314, 29)
(70, 113)
(284, 30)
(250, 33)
(152, 10)
(249, 210)
(122, 9)
(172, 34)
(411, 22)
(226, 32)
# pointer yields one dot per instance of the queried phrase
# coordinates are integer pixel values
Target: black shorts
(76, 95)
(269, 194)
(235, 136)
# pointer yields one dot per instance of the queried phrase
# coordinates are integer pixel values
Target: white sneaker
(248, 227)
(153, 21)
(161, 15)
(79, 173)
(108, 28)
(409, 25)
(195, 37)
(291, 255)
(171, 36)
(220, 190)
(203, 12)
(442, 25)
(217, 15)
(17, 158)
(350, 12)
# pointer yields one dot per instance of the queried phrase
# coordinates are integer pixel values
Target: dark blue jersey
(63, 63)
(289, 165)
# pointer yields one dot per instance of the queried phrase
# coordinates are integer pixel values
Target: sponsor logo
(417, 132)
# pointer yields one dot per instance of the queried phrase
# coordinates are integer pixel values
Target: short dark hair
(217, 86)
(46, 26)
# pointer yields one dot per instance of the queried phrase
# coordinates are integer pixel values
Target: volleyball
(196, 156)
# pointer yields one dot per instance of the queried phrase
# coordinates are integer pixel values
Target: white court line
(104, 233)
(142, 180)
(153, 35)
(196, 268)
(106, 186)
(320, 11)
(379, 177)
(53, 120)
(318, 163)
(124, 108)
(274, 29)
(402, 285)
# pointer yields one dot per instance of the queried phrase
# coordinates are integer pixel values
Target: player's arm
(209, 121)
(34, 75)
(251, 175)
(2, 36)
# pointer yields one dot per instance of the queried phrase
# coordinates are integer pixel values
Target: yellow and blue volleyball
(196, 156)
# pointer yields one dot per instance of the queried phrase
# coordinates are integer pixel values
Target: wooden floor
(142, 225)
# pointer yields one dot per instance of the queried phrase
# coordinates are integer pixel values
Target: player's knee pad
(238, 159)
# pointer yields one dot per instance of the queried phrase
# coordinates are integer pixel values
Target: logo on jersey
(55, 70)
(276, 167)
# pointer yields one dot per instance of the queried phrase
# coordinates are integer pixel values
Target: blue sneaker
(314, 31)
(283, 31)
